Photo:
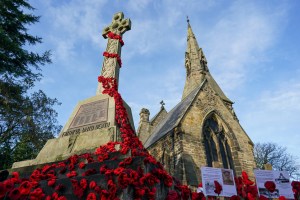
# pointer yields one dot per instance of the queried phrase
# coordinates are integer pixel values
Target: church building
(201, 130)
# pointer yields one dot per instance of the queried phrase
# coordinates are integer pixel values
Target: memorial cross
(111, 64)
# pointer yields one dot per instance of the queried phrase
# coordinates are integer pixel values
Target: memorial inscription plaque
(90, 113)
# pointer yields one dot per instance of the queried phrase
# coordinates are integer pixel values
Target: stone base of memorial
(91, 124)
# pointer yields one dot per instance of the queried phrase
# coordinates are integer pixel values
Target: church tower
(202, 129)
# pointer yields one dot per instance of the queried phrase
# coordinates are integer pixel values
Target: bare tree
(277, 156)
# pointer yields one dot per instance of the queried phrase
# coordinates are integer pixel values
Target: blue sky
(252, 48)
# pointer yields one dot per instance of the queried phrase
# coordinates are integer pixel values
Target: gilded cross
(111, 65)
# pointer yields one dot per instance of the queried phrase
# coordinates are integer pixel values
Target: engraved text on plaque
(90, 113)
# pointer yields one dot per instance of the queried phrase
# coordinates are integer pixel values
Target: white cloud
(273, 116)
(239, 41)
(137, 6)
(73, 23)
(284, 99)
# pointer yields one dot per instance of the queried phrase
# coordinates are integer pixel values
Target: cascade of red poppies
(143, 183)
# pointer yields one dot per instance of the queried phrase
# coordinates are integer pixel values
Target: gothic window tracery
(216, 144)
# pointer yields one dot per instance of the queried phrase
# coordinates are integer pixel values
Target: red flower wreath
(112, 35)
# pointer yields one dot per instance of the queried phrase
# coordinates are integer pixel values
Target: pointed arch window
(216, 145)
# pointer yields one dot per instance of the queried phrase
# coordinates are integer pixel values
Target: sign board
(90, 113)
(280, 178)
(223, 176)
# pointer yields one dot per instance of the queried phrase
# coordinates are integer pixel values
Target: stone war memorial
(99, 155)
(92, 122)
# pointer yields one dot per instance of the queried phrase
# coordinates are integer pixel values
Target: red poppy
(149, 179)
(251, 189)
(250, 196)
(270, 186)
(139, 192)
(25, 188)
(15, 177)
(36, 194)
(91, 196)
(55, 195)
(59, 188)
(77, 189)
(34, 184)
(50, 174)
(14, 194)
(246, 179)
(51, 182)
(151, 194)
(98, 189)
(83, 183)
(127, 161)
(296, 188)
(72, 174)
(185, 192)
(62, 198)
(92, 184)
(8, 185)
(48, 197)
(124, 180)
(46, 168)
(81, 165)
(218, 187)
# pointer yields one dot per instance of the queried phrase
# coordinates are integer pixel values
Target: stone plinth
(91, 124)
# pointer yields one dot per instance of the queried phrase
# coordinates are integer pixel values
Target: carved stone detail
(110, 68)
(187, 64)
(113, 135)
(72, 140)
(207, 101)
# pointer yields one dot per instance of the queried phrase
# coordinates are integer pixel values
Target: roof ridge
(158, 132)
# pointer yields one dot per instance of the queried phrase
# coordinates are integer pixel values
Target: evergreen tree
(26, 120)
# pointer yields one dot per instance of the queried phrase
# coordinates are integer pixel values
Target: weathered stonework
(206, 134)
(146, 126)
(206, 104)
(92, 122)
(86, 139)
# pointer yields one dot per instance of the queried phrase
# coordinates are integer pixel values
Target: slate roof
(173, 118)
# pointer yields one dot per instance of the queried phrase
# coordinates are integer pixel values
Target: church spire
(195, 63)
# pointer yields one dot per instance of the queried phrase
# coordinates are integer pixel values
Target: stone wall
(206, 104)
(168, 151)
(143, 130)
(158, 118)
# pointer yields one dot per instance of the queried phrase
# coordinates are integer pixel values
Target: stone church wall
(205, 104)
(168, 151)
